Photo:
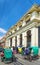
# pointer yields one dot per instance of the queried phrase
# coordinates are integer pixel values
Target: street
(22, 62)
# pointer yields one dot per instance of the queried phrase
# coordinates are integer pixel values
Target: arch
(28, 38)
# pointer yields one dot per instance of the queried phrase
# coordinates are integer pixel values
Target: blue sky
(11, 11)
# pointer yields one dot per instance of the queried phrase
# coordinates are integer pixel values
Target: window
(10, 41)
(20, 39)
(27, 21)
(29, 38)
(20, 26)
(15, 29)
(15, 41)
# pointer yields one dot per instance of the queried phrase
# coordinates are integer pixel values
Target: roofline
(33, 6)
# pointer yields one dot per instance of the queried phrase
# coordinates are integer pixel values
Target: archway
(28, 38)
(20, 39)
(10, 42)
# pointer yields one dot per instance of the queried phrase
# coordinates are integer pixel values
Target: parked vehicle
(26, 53)
(30, 53)
(21, 49)
(7, 56)
(34, 53)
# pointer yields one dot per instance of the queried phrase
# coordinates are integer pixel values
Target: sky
(11, 11)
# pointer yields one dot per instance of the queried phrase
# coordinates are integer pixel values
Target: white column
(13, 41)
(7, 43)
(34, 36)
(18, 40)
(24, 39)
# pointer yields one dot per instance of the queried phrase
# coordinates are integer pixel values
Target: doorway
(28, 38)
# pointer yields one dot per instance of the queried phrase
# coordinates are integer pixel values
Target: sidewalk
(27, 62)
(20, 57)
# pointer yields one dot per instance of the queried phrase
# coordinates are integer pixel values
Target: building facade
(26, 32)
(3, 41)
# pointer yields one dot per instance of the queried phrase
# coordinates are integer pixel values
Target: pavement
(27, 62)
(21, 61)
